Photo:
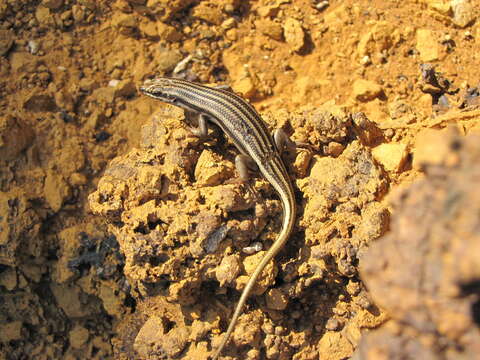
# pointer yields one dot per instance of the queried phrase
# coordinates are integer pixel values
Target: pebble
(391, 155)
(6, 41)
(78, 336)
(269, 28)
(463, 12)
(366, 90)
(252, 249)
(33, 46)
(333, 324)
(53, 4)
(294, 35)
(427, 45)
(322, 5)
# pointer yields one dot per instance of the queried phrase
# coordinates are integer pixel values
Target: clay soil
(123, 236)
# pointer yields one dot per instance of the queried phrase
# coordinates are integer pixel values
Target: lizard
(258, 149)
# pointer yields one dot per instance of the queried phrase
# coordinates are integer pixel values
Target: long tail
(287, 226)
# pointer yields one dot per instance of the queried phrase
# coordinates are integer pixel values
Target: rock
(6, 41)
(164, 9)
(430, 148)
(53, 4)
(464, 12)
(442, 7)
(151, 339)
(56, 190)
(276, 299)
(270, 28)
(167, 59)
(208, 12)
(294, 35)
(8, 278)
(245, 87)
(68, 298)
(149, 29)
(167, 32)
(392, 156)
(149, 335)
(427, 45)
(78, 336)
(43, 16)
(334, 346)
(266, 278)
(11, 331)
(40, 102)
(228, 270)
(379, 39)
(366, 90)
(15, 136)
(112, 302)
(126, 23)
(125, 88)
(211, 170)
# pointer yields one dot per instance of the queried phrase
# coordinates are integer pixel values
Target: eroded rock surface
(425, 272)
(182, 228)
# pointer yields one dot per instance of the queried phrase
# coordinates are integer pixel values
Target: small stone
(53, 4)
(427, 45)
(210, 169)
(208, 13)
(333, 324)
(430, 148)
(268, 10)
(322, 5)
(56, 190)
(391, 155)
(126, 23)
(276, 299)
(294, 35)
(125, 88)
(442, 7)
(78, 13)
(366, 90)
(6, 41)
(245, 87)
(464, 12)
(334, 149)
(8, 279)
(150, 333)
(149, 29)
(43, 16)
(40, 102)
(167, 32)
(78, 336)
(11, 331)
(228, 270)
(77, 179)
(33, 46)
(266, 278)
(167, 59)
(270, 28)
(229, 23)
(15, 136)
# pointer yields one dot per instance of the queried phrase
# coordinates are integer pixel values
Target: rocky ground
(122, 236)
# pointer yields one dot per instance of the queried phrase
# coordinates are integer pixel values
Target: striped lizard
(244, 126)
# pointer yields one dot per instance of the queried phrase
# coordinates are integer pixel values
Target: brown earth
(123, 236)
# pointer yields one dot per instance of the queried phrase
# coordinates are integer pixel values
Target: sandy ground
(122, 236)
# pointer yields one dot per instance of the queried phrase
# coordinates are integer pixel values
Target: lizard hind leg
(284, 143)
(243, 164)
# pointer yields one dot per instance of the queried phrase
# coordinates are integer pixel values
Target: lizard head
(161, 89)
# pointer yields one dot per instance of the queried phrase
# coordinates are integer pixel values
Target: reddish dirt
(122, 236)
